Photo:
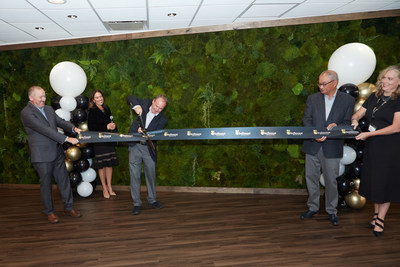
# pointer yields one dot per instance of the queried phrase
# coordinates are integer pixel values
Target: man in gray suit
(327, 108)
(151, 112)
(46, 151)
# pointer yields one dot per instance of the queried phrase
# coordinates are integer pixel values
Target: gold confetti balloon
(359, 103)
(356, 184)
(354, 200)
(365, 89)
(83, 126)
(73, 153)
(69, 165)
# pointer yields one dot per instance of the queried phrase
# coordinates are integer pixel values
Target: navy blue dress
(105, 154)
(380, 176)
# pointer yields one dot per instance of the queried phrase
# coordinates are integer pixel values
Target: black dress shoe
(137, 210)
(334, 219)
(156, 205)
(308, 214)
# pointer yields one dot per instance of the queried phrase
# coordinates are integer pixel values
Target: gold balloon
(356, 184)
(69, 165)
(365, 89)
(358, 104)
(73, 153)
(81, 145)
(354, 200)
(83, 126)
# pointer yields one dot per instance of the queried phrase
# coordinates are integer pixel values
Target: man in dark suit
(46, 151)
(153, 119)
(327, 108)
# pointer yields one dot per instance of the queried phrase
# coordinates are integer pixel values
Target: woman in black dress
(380, 176)
(100, 119)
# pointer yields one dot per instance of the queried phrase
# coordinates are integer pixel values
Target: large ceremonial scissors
(141, 125)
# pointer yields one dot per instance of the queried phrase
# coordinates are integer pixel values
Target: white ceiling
(29, 21)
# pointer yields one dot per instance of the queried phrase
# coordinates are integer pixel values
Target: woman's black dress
(105, 155)
(380, 176)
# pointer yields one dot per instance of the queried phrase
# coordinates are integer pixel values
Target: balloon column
(69, 81)
(354, 63)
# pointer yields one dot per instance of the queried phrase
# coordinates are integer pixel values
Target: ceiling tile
(122, 14)
(182, 13)
(267, 10)
(117, 3)
(314, 9)
(68, 4)
(22, 15)
(220, 12)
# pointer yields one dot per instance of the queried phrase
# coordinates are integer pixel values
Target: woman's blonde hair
(378, 85)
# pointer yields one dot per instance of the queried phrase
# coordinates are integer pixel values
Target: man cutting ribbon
(145, 151)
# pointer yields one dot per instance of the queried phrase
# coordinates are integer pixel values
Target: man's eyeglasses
(324, 84)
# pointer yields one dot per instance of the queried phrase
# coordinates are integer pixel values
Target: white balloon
(322, 180)
(63, 114)
(353, 62)
(68, 79)
(68, 103)
(341, 169)
(90, 162)
(349, 155)
(89, 175)
(85, 189)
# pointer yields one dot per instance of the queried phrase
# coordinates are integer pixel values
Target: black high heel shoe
(376, 233)
(370, 224)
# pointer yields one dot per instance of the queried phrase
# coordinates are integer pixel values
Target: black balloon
(87, 152)
(363, 124)
(79, 115)
(355, 169)
(75, 178)
(81, 165)
(360, 153)
(344, 185)
(350, 89)
(82, 102)
(55, 102)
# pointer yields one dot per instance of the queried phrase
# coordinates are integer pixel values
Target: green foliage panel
(255, 77)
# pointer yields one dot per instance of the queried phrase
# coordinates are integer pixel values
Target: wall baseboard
(188, 189)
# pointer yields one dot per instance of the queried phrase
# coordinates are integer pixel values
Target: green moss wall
(256, 77)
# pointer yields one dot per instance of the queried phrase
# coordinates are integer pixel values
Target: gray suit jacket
(314, 115)
(43, 135)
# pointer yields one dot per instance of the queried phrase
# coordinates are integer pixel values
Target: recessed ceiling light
(171, 14)
(72, 16)
(59, 2)
(39, 28)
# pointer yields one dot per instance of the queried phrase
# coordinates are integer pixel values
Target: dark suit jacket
(314, 115)
(43, 136)
(158, 122)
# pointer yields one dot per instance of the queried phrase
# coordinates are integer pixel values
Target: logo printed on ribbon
(237, 132)
(189, 133)
(321, 133)
(289, 132)
(218, 133)
(171, 134)
(263, 132)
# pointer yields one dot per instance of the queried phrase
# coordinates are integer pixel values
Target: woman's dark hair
(91, 98)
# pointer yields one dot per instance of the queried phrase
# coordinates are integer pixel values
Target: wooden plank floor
(193, 229)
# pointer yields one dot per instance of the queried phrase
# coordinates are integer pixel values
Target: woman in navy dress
(380, 176)
(100, 119)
